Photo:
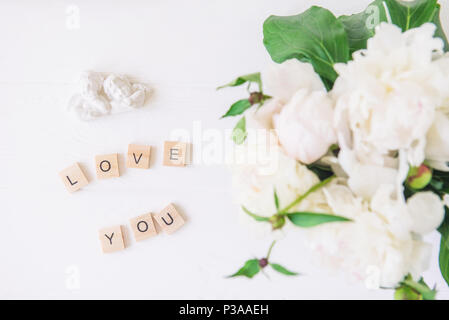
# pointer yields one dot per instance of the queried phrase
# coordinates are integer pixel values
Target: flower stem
(270, 249)
(303, 196)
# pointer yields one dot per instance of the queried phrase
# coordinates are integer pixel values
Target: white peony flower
(262, 118)
(380, 237)
(258, 171)
(284, 80)
(437, 147)
(261, 167)
(427, 211)
(305, 127)
(386, 97)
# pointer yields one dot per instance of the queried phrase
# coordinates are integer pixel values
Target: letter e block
(111, 239)
(107, 166)
(169, 219)
(73, 178)
(175, 153)
(138, 156)
(143, 227)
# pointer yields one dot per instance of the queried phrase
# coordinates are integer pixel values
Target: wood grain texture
(184, 49)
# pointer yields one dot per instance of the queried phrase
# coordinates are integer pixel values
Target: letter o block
(106, 166)
(143, 227)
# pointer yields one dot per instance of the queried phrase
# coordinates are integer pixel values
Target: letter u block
(169, 219)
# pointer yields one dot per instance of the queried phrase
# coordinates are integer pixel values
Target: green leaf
(412, 290)
(323, 172)
(314, 36)
(283, 270)
(312, 189)
(412, 14)
(407, 15)
(443, 258)
(253, 77)
(311, 219)
(238, 108)
(255, 216)
(239, 133)
(361, 26)
(276, 200)
(440, 31)
(249, 270)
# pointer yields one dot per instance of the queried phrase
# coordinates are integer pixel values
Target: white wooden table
(185, 49)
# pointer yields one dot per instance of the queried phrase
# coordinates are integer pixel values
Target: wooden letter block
(107, 166)
(138, 156)
(169, 219)
(143, 227)
(111, 239)
(73, 178)
(175, 153)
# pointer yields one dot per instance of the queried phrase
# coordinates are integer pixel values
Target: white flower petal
(437, 148)
(283, 80)
(426, 210)
(305, 126)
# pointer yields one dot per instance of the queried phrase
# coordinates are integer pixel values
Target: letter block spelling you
(138, 156)
(107, 166)
(143, 227)
(73, 178)
(169, 219)
(175, 153)
(111, 239)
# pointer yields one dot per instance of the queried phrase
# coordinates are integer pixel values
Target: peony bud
(263, 262)
(419, 177)
(406, 293)
(277, 221)
(255, 97)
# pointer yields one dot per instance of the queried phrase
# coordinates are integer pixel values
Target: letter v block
(169, 219)
(138, 156)
(73, 178)
(111, 239)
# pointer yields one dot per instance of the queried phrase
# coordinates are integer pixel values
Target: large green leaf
(444, 247)
(407, 15)
(411, 14)
(361, 26)
(314, 36)
(311, 219)
(440, 32)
